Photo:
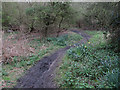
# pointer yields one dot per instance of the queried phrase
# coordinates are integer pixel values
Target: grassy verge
(97, 39)
(14, 70)
(93, 65)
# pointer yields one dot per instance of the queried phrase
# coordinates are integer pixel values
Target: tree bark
(46, 28)
(32, 26)
(59, 26)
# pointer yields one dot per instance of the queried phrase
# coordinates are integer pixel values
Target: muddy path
(42, 74)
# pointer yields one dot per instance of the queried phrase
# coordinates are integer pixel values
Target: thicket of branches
(103, 16)
(47, 17)
(37, 16)
(107, 16)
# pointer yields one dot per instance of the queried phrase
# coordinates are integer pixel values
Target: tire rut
(42, 74)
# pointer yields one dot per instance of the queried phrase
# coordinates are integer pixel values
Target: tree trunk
(59, 26)
(32, 26)
(46, 28)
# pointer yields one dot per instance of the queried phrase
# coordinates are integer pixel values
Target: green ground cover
(91, 65)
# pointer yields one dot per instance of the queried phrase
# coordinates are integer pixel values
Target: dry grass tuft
(15, 47)
(17, 44)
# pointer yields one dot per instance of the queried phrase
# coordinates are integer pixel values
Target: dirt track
(42, 74)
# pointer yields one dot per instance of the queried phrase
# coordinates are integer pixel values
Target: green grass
(92, 32)
(14, 70)
(92, 65)
(97, 38)
(73, 38)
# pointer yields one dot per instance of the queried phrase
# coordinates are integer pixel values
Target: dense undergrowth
(90, 65)
(14, 70)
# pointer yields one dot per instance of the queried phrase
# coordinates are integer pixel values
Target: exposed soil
(42, 74)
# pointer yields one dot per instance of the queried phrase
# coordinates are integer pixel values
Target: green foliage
(51, 13)
(4, 73)
(30, 11)
(94, 65)
(65, 40)
(91, 66)
(77, 53)
(37, 16)
(100, 14)
(62, 40)
(106, 16)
